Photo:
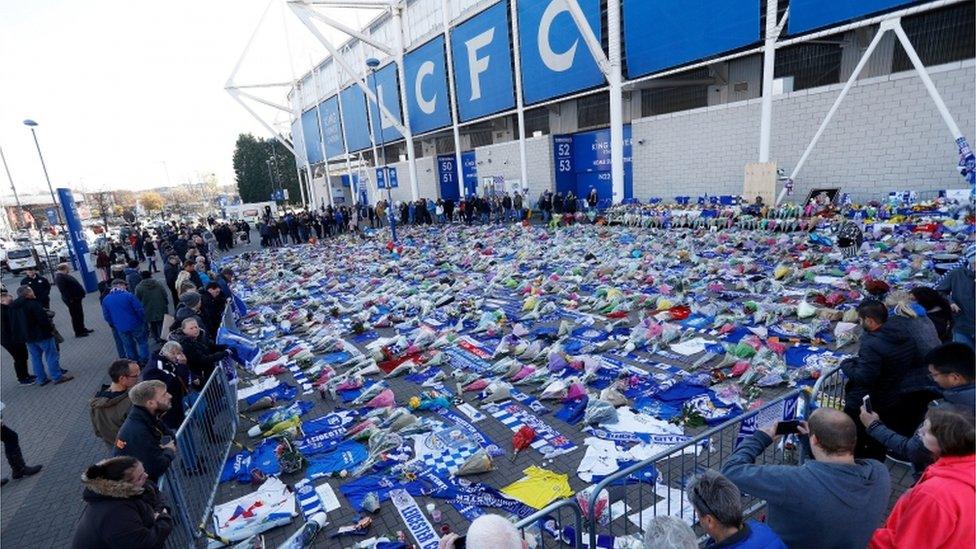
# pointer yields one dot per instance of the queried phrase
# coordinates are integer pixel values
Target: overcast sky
(120, 87)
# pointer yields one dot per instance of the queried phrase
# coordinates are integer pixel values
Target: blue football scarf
(476, 494)
(308, 498)
(549, 443)
(416, 521)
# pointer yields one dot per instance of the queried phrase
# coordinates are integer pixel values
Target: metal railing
(675, 466)
(550, 524)
(829, 391)
(203, 443)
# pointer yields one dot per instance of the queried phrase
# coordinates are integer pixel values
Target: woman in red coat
(939, 511)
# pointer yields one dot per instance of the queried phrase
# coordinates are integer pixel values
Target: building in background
(691, 99)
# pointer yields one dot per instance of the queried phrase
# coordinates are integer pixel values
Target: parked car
(21, 259)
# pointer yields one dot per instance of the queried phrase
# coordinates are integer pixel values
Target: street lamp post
(20, 210)
(64, 232)
(372, 63)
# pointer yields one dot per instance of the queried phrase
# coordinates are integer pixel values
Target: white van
(21, 259)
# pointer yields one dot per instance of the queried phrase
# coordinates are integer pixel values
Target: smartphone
(867, 403)
(787, 427)
(460, 543)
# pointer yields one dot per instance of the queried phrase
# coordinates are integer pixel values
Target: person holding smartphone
(811, 505)
(953, 368)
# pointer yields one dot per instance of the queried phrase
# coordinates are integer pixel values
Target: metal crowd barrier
(676, 465)
(829, 391)
(550, 524)
(203, 443)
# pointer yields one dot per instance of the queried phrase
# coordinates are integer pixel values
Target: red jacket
(939, 511)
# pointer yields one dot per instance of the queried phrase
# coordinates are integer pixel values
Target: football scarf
(549, 443)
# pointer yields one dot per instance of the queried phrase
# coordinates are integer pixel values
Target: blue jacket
(812, 505)
(123, 311)
(752, 535)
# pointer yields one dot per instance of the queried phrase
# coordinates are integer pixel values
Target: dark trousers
(155, 328)
(19, 352)
(11, 447)
(77, 312)
(176, 297)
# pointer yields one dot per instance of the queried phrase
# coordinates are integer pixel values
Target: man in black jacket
(141, 436)
(171, 271)
(202, 356)
(32, 325)
(72, 293)
(212, 302)
(11, 339)
(888, 353)
(40, 285)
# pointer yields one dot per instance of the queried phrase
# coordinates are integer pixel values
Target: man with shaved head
(832, 500)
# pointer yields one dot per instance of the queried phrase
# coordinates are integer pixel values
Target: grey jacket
(812, 505)
(960, 284)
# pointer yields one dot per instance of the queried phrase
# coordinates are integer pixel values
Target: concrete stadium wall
(887, 135)
(502, 159)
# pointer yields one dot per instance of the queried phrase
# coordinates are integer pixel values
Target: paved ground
(55, 431)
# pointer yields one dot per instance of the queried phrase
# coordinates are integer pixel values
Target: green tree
(254, 178)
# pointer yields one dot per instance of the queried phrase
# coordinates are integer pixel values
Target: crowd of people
(910, 395)
(507, 207)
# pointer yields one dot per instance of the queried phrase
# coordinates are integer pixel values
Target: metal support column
(446, 16)
(325, 154)
(769, 65)
(401, 76)
(519, 102)
(615, 80)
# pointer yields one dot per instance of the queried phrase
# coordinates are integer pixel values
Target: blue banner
(562, 149)
(659, 34)
(311, 136)
(344, 180)
(555, 59)
(483, 64)
(391, 177)
(331, 127)
(582, 162)
(380, 179)
(388, 93)
(426, 85)
(469, 172)
(76, 234)
(807, 15)
(447, 177)
(354, 118)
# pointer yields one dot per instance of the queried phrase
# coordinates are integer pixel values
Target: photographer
(812, 505)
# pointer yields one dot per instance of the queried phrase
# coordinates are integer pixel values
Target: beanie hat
(190, 299)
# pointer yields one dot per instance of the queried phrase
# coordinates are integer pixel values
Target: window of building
(593, 110)
(940, 36)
